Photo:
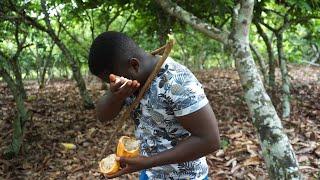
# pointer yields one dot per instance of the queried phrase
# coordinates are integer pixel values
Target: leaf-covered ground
(58, 117)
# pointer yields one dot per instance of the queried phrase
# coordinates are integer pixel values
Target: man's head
(115, 53)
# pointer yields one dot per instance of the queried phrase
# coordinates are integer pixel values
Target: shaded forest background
(47, 94)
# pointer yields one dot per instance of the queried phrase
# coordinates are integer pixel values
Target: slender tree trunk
(285, 77)
(50, 72)
(202, 59)
(272, 66)
(92, 26)
(20, 119)
(221, 59)
(17, 74)
(316, 51)
(185, 56)
(66, 73)
(261, 62)
(14, 65)
(276, 148)
(14, 62)
(47, 62)
(163, 26)
(43, 74)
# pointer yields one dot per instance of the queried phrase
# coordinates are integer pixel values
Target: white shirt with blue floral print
(174, 92)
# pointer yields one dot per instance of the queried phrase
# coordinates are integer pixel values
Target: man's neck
(152, 62)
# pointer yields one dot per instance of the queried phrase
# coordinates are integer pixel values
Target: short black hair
(108, 48)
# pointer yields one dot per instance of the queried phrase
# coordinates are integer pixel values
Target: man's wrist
(115, 96)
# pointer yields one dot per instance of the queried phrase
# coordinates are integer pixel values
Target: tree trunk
(316, 51)
(20, 119)
(285, 77)
(50, 72)
(17, 74)
(202, 59)
(185, 56)
(276, 148)
(47, 63)
(261, 64)
(43, 74)
(272, 65)
(14, 65)
(163, 26)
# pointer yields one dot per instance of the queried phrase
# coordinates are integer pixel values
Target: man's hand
(111, 103)
(122, 87)
(131, 165)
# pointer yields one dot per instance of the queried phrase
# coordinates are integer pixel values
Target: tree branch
(8, 79)
(211, 31)
(268, 26)
(273, 11)
(127, 20)
(109, 21)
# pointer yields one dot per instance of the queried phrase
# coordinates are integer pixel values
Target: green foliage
(77, 22)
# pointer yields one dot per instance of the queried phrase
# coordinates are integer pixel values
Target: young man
(175, 123)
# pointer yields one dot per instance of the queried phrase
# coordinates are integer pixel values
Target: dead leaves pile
(58, 117)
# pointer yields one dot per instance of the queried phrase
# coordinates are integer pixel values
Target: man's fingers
(112, 78)
(126, 84)
(122, 85)
(117, 85)
(134, 83)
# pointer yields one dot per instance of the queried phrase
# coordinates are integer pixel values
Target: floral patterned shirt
(174, 92)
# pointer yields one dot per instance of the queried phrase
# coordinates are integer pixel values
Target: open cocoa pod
(109, 165)
(128, 147)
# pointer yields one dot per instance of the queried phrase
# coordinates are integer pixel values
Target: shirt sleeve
(186, 93)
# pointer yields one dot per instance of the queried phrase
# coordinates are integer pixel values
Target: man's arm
(108, 106)
(204, 139)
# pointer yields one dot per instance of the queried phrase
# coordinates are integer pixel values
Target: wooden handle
(159, 50)
(166, 51)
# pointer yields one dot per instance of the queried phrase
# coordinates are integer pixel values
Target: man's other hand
(130, 165)
(122, 87)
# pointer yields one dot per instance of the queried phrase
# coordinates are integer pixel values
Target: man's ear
(135, 63)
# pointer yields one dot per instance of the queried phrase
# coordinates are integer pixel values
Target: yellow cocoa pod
(128, 147)
(109, 165)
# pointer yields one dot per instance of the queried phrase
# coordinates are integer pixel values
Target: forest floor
(58, 117)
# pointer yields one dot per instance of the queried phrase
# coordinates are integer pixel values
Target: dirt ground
(58, 117)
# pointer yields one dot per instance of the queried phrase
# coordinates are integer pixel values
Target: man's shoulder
(172, 67)
(175, 70)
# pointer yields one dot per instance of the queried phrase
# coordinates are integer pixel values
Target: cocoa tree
(277, 151)
(21, 16)
(10, 71)
(292, 16)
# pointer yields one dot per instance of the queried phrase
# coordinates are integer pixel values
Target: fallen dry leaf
(255, 160)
